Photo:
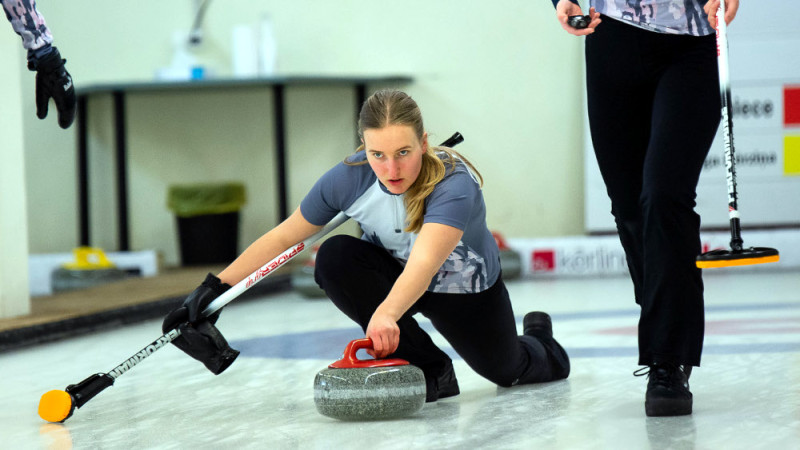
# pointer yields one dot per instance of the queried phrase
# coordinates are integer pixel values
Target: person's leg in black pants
(619, 96)
(686, 115)
(357, 276)
(481, 328)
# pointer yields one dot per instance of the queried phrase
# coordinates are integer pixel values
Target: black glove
(199, 338)
(206, 344)
(192, 308)
(53, 80)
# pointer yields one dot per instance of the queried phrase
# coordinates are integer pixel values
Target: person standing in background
(654, 107)
(52, 79)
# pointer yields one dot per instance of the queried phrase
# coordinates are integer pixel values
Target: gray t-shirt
(457, 201)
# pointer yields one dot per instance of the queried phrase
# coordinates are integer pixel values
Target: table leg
(361, 97)
(83, 173)
(280, 150)
(122, 170)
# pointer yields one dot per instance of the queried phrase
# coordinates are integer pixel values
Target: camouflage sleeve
(27, 23)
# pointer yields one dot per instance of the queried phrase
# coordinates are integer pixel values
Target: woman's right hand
(384, 332)
(711, 7)
(565, 9)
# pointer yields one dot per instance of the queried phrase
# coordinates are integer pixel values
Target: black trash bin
(208, 221)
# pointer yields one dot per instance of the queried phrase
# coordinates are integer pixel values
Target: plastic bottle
(267, 47)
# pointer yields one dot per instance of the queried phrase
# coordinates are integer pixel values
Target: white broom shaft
(271, 266)
(722, 48)
(727, 123)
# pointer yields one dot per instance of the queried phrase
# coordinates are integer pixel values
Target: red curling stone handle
(350, 360)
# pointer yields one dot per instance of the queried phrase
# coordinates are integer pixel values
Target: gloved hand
(53, 80)
(206, 344)
(199, 338)
(192, 308)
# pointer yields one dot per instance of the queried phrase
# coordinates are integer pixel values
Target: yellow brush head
(743, 257)
(737, 262)
(56, 406)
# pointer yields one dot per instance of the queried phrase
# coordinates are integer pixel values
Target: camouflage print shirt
(457, 201)
(663, 16)
(27, 22)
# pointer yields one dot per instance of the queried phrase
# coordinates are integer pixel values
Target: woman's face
(395, 155)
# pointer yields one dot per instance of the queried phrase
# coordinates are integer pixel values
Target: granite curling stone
(371, 389)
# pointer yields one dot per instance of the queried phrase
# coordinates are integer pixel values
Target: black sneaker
(537, 324)
(667, 390)
(443, 386)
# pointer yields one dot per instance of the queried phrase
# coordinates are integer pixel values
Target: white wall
(503, 73)
(14, 298)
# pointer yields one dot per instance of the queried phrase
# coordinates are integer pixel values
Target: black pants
(358, 275)
(654, 108)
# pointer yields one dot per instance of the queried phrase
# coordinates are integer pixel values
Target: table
(118, 91)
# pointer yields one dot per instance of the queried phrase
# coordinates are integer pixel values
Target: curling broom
(737, 255)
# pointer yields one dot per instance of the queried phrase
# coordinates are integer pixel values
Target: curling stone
(371, 389)
(303, 278)
(90, 268)
(510, 259)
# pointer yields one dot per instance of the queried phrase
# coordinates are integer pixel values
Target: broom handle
(271, 266)
(727, 130)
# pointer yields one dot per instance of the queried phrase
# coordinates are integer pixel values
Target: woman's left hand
(711, 7)
(385, 334)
